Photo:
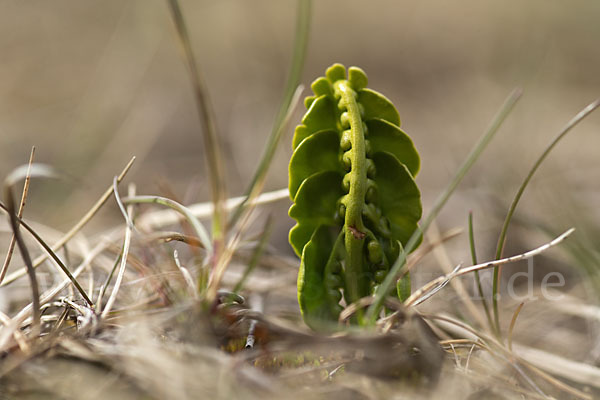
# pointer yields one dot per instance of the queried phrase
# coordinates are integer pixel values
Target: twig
(444, 279)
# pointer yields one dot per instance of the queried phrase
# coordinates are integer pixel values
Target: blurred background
(91, 84)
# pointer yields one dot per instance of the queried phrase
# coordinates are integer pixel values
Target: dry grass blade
(443, 280)
(22, 315)
(158, 219)
(432, 290)
(391, 302)
(443, 259)
(512, 325)
(53, 256)
(186, 212)
(538, 360)
(214, 281)
(73, 231)
(193, 289)
(120, 204)
(264, 239)
(19, 338)
(107, 282)
(426, 248)
(223, 261)
(177, 237)
(528, 357)
(11, 245)
(128, 231)
(503, 232)
(579, 309)
(36, 170)
(354, 307)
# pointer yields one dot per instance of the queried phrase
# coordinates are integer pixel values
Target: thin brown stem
(11, 245)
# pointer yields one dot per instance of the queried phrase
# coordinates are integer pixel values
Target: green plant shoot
(355, 201)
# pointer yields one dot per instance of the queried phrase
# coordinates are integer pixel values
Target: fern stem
(354, 230)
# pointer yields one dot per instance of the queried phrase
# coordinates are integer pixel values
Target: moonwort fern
(351, 179)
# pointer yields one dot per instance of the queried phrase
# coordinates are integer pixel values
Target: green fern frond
(351, 178)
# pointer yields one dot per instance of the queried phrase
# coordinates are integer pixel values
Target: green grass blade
(212, 149)
(191, 218)
(484, 304)
(290, 98)
(390, 279)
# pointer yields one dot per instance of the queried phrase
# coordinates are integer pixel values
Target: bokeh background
(91, 84)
